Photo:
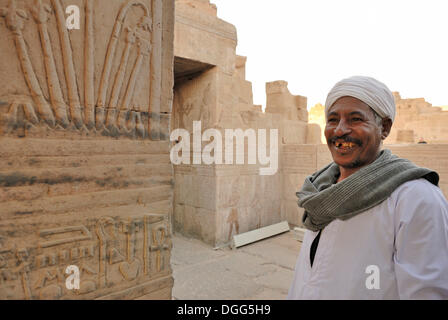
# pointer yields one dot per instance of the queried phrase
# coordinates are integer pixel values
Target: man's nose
(342, 129)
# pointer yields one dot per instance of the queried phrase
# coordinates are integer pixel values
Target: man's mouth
(344, 145)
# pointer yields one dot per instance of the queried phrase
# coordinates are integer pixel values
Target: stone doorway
(194, 100)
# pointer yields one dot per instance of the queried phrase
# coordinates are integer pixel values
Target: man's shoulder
(417, 184)
(420, 187)
(415, 193)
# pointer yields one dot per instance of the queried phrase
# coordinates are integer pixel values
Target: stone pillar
(204, 49)
(85, 174)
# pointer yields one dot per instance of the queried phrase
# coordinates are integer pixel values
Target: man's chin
(347, 163)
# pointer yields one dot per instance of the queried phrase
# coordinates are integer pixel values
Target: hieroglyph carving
(109, 252)
(113, 112)
(196, 107)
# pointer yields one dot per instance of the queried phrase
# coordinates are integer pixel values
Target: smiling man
(377, 224)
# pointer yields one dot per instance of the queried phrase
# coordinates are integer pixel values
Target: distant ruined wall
(316, 116)
(85, 174)
(417, 120)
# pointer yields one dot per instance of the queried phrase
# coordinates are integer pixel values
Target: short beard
(355, 164)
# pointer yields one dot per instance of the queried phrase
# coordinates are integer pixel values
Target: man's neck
(346, 172)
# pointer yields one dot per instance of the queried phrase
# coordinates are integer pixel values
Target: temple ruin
(418, 121)
(214, 202)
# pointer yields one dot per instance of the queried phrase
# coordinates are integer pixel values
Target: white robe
(405, 237)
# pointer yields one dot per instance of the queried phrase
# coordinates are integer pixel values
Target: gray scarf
(325, 200)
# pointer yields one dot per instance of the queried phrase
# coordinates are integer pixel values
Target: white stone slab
(299, 233)
(258, 234)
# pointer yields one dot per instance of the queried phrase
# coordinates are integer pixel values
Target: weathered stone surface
(279, 280)
(405, 136)
(426, 122)
(65, 83)
(201, 36)
(85, 173)
(279, 100)
(211, 87)
(272, 252)
(112, 254)
(291, 212)
(430, 156)
(247, 274)
(313, 134)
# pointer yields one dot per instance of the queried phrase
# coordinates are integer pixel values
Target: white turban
(370, 91)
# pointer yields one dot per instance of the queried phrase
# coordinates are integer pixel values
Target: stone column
(73, 190)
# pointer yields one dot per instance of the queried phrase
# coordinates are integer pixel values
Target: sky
(312, 44)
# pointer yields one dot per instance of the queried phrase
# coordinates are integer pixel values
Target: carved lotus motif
(112, 109)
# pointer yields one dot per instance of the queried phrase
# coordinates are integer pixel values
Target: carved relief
(182, 110)
(113, 112)
(15, 23)
(40, 13)
(161, 244)
(109, 252)
(89, 68)
(141, 35)
(191, 107)
(206, 101)
(131, 267)
(232, 219)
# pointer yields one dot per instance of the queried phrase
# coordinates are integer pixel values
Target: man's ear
(387, 126)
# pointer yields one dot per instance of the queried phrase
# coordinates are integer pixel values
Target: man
(377, 224)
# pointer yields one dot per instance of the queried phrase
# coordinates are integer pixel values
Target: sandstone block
(313, 134)
(85, 176)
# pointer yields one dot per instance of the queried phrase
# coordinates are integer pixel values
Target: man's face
(352, 134)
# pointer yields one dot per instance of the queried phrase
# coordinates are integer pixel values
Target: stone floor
(261, 270)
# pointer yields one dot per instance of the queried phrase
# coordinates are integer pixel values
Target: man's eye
(356, 119)
(332, 120)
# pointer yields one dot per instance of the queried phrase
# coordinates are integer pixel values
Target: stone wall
(204, 49)
(85, 174)
(214, 202)
(417, 120)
